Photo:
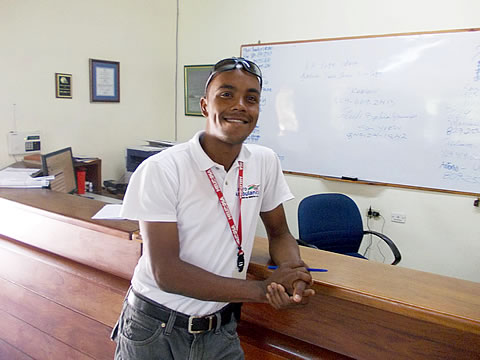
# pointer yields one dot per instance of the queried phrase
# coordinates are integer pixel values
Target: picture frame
(63, 86)
(104, 81)
(195, 77)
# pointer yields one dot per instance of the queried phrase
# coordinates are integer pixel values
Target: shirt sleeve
(276, 190)
(151, 193)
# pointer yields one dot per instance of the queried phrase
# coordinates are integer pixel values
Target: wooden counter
(362, 309)
(53, 308)
(61, 223)
(368, 310)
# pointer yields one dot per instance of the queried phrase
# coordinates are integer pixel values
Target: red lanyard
(236, 232)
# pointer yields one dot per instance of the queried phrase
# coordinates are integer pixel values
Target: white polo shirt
(172, 186)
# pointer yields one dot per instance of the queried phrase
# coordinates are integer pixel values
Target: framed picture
(63, 86)
(195, 78)
(104, 81)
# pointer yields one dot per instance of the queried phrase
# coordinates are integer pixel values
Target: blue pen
(272, 267)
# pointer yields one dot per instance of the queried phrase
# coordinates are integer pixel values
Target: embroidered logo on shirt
(250, 191)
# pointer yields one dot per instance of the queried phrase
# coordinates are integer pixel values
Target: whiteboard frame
(331, 178)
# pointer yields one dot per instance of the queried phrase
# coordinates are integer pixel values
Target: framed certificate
(195, 78)
(104, 81)
(63, 86)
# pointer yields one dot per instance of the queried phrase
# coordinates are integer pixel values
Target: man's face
(231, 106)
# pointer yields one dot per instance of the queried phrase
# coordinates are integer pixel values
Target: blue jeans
(139, 336)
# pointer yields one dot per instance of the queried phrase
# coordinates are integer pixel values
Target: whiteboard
(399, 109)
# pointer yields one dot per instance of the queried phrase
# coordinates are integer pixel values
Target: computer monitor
(60, 164)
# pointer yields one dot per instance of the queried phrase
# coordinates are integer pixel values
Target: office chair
(332, 222)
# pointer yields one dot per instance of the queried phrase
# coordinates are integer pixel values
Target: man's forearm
(284, 249)
(188, 280)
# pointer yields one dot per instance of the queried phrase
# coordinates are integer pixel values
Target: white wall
(442, 231)
(40, 38)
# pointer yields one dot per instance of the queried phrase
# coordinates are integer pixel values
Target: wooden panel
(11, 353)
(67, 309)
(435, 298)
(68, 326)
(72, 291)
(254, 353)
(97, 249)
(104, 279)
(363, 332)
(260, 342)
(422, 316)
(34, 342)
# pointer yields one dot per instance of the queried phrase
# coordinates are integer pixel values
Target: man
(198, 204)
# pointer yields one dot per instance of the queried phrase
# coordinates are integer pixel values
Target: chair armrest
(391, 245)
(303, 243)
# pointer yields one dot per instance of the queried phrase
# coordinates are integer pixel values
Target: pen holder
(81, 180)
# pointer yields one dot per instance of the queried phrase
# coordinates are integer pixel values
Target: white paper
(105, 81)
(20, 178)
(109, 212)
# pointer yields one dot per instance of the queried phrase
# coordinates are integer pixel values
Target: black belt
(194, 324)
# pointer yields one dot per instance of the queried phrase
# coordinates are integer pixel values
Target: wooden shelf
(94, 172)
(93, 168)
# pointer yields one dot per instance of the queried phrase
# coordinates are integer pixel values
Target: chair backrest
(331, 222)
(60, 164)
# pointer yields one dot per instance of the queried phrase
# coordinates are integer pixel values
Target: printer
(134, 157)
(136, 154)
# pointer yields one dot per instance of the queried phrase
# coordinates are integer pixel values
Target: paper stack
(21, 178)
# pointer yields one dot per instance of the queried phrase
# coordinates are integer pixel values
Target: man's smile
(236, 120)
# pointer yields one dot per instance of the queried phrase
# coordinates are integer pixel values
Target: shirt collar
(204, 162)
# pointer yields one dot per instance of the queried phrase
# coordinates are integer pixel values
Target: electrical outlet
(372, 213)
(399, 218)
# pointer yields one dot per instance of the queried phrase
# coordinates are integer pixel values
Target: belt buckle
(192, 318)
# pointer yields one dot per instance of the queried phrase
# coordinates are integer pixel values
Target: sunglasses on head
(235, 63)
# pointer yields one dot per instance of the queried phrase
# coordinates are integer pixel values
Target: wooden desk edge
(89, 224)
(258, 268)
